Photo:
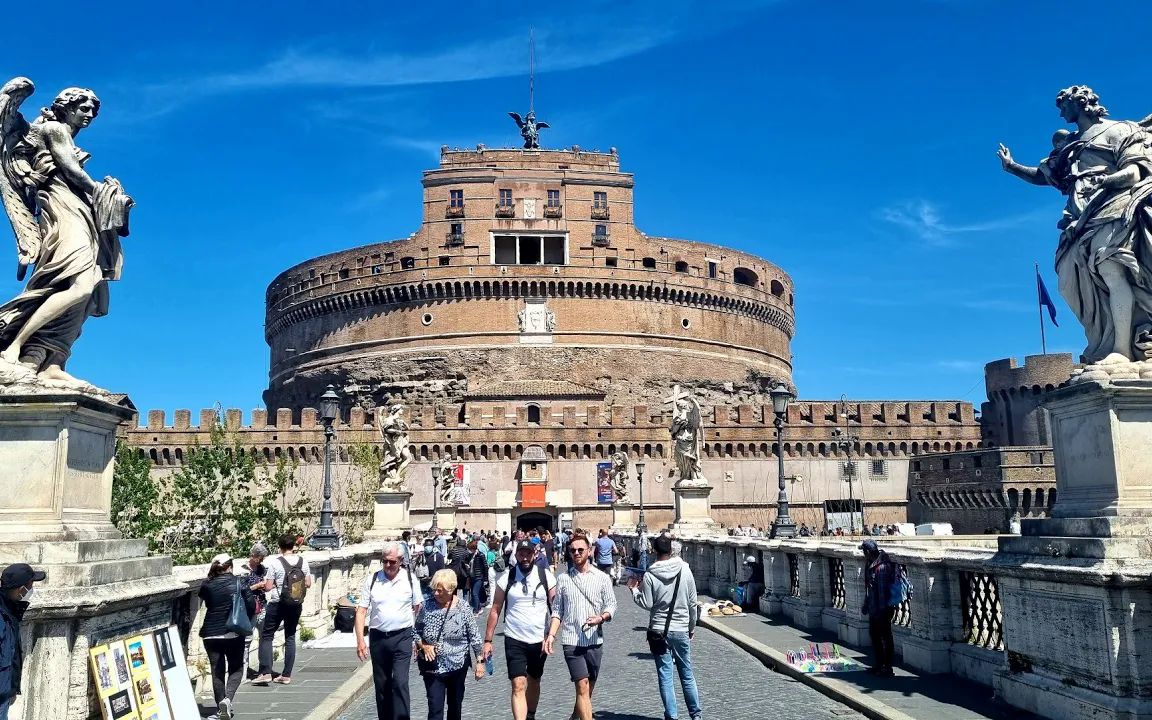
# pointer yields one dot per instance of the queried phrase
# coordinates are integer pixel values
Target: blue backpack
(901, 587)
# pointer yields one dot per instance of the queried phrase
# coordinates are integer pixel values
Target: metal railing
(793, 575)
(600, 212)
(903, 616)
(981, 610)
(454, 211)
(505, 211)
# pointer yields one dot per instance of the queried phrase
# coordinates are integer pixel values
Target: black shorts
(524, 659)
(583, 662)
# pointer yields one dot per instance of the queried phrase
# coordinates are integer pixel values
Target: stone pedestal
(61, 447)
(623, 519)
(390, 515)
(1077, 615)
(693, 509)
(445, 518)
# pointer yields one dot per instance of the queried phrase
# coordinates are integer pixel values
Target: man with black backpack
(288, 581)
(525, 592)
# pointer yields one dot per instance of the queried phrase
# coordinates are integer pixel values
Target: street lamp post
(326, 537)
(642, 525)
(782, 526)
(845, 440)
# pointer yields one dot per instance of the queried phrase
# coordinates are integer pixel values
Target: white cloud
(922, 218)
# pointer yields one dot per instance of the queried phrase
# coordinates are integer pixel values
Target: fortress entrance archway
(532, 520)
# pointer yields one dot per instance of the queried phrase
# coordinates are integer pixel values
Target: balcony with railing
(600, 212)
(553, 211)
(600, 239)
(453, 239)
(505, 211)
(454, 211)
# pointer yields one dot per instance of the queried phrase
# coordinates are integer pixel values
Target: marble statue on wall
(68, 228)
(1104, 255)
(618, 476)
(446, 482)
(687, 437)
(397, 451)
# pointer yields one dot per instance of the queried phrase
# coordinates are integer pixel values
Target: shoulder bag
(658, 641)
(428, 667)
(238, 620)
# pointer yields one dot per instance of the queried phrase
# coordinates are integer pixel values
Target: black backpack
(295, 587)
(512, 581)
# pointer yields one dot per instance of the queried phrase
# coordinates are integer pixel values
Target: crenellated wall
(1014, 413)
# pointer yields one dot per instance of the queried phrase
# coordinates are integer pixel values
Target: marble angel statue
(67, 225)
(397, 453)
(1104, 256)
(687, 437)
(618, 475)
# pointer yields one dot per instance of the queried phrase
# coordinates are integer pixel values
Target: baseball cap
(20, 574)
(749, 559)
(535, 541)
(525, 545)
(222, 559)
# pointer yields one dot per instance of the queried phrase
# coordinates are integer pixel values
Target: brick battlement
(1043, 371)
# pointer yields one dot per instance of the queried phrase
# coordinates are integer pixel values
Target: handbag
(238, 620)
(428, 667)
(658, 642)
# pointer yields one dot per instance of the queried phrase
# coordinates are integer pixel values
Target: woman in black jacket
(225, 647)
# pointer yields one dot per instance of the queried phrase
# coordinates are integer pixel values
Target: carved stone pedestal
(390, 515)
(693, 509)
(623, 518)
(58, 450)
(1076, 612)
(445, 518)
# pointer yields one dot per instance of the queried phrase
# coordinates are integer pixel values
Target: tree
(134, 495)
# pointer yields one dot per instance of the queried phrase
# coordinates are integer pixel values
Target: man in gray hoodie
(668, 593)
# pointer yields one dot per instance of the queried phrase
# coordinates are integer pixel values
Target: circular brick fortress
(528, 268)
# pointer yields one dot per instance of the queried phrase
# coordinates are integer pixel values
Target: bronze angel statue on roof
(67, 225)
(529, 129)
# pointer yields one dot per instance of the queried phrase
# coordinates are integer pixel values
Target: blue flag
(1045, 299)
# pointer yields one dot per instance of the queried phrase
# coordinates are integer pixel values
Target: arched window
(776, 288)
(681, 266)
(744, 276)
(649, 263)
(534, 414)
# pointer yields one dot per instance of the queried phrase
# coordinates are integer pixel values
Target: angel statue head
(1079, 100)
(75, 106)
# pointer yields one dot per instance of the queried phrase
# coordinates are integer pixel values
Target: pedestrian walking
(668, 592)
(525, 592)
(446, 637)
(16, 588)
(289, 578)
(224, 643)
(389, 602)
(405, 548)
(884, 590)
(477, 577)
(459, 558)
(255, 574)
(584, 602)
(605, 551)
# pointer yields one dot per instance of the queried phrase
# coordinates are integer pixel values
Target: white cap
(749, 559)
(222, 559)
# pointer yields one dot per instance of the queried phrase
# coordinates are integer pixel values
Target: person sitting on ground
(446, 636)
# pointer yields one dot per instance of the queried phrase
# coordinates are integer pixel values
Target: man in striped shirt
(584, 602)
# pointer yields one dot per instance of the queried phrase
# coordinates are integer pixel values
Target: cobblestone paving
(733, 684)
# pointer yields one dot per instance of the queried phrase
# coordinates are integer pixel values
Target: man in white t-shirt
(529, 591)
(281, 610)
(389, 601)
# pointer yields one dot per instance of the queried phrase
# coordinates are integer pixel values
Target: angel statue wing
(1146, 122)
(18, 198)
(542, 125)
(516, 116)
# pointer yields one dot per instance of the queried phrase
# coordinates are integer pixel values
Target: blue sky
(851, 143)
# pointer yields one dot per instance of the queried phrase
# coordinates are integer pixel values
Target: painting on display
(174, 673)
(463, 481)
(109, 663)
(604, 492)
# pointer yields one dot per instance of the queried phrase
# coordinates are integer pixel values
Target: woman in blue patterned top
(445, 633)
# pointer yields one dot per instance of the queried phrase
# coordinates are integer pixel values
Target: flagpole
(1040, 308)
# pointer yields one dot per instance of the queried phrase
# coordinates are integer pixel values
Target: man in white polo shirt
(388, 605)
(528, 590)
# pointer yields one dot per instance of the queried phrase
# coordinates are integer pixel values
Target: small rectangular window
(916, 465)
(377, 269)
(456, 198)
(445, 260)
(505, 250)
(408, 263)
(599, 199)
(457, 228)
(1036, 458)
(553, 198)
(879, 468)
(610, 262)
(505, 198)
(712, 270)
(554, 251)
(946, 464)
(601, 230)
(530, 250)
(977, 461)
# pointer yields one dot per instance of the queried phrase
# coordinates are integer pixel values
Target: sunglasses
(577, 550)
(391, 562)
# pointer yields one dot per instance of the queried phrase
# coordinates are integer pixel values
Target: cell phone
(488, 665)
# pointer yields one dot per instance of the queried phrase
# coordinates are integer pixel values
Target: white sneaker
(224, 709)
